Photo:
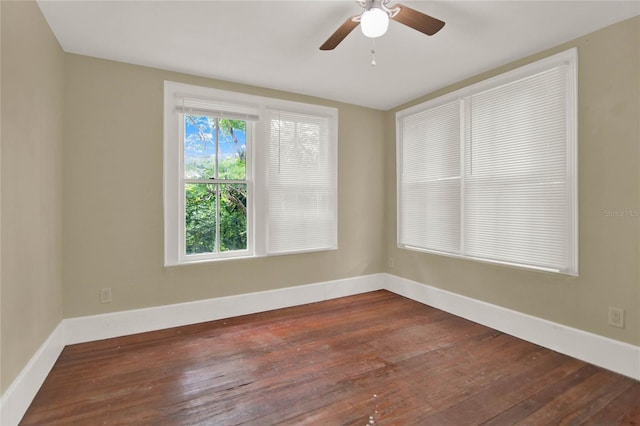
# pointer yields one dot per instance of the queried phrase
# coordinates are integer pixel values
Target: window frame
(183, 257)
(257, 169)
(462, 96)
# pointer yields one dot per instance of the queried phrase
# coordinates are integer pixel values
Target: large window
(246, 176)
(489, 172)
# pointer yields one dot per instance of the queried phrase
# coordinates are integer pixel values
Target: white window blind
(429, 190)
(517, 187)
(491, 174)
(301, 205)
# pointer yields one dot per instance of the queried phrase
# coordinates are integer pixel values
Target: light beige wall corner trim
(611, 354)
(607, 353)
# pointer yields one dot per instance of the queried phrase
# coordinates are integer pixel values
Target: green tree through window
(215, 176)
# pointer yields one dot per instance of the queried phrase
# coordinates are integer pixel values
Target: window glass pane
(233, 217)
(200, 218)
(199, 147)
(233, 149)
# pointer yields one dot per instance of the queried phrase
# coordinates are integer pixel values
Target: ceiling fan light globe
(374, 22)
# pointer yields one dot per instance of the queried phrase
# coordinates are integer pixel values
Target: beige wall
(113, 219)
(31, 244)
(609, 179)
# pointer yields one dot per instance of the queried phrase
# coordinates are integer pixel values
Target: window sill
(169, 264)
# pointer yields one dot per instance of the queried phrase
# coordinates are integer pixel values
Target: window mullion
(215, 181)
(463, 172)
(216, 168)
(216, 177)
(217, 218)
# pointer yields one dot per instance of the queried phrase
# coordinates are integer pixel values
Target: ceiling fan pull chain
(373, 52)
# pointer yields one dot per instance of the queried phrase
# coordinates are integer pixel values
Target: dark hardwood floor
(375, 358)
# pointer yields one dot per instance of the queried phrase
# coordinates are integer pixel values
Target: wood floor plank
(375, 358)
(616, 411)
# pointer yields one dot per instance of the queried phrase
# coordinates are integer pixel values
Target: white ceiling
(274, 44)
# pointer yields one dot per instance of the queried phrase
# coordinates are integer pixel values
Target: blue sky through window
(200, 148)
(200, 140)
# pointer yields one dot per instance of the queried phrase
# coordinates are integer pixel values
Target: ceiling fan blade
(417, 20)
(340, 33)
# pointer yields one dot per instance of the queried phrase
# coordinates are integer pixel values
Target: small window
(215, 184)
(489, 172)
(246, 176)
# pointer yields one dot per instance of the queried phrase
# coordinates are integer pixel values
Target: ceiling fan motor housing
(379, 4)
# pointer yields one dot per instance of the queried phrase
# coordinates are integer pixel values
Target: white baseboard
(105, 326)
(23, 389)
(607, 353)
(20, 394)
(611, 354)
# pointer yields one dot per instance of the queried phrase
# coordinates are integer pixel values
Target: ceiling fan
(374, 21)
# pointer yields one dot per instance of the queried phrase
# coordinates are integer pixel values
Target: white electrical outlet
(391, 262)
(616, 317)
(105, 295)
